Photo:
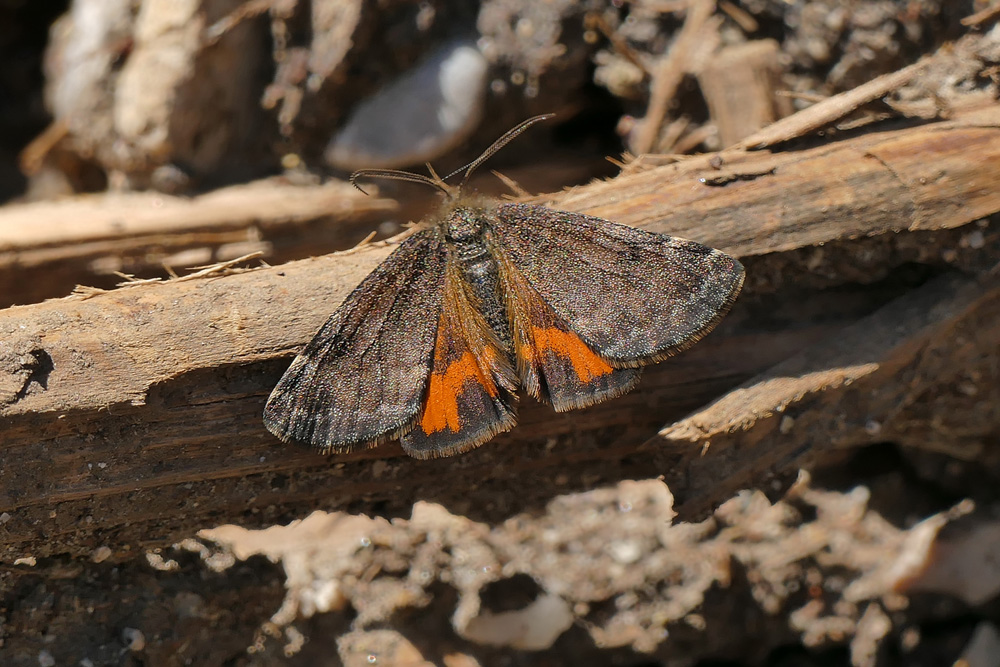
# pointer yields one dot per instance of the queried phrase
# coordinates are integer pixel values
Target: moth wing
(360, 381)
(470, 395)
(554, 364)
(632, 296)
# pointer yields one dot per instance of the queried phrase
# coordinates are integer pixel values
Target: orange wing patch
(555, 365)
(441, 406)
(469, 396)
(586, 364)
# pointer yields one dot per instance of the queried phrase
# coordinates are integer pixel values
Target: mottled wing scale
(632, 296)
(554, 364)
(362, 378)
(470, 394)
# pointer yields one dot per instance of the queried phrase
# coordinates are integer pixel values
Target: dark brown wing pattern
(361, 380)
(632, 296)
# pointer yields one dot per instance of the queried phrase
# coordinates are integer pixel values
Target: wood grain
(874, 381)
(47, 247)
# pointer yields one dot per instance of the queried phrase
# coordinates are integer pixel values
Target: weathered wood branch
(133, 417)
(921, 371)
(47, 247)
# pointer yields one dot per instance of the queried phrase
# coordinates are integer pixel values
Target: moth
(486, 297)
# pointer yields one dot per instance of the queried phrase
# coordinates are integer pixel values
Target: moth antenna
(436, 181)
(508, 136)
(397, 175)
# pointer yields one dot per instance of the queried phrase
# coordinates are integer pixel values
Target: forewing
(633, 296)
(361, 379)
(554, 364)
(469, 397)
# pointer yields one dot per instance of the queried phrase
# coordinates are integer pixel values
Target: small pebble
(419, 116)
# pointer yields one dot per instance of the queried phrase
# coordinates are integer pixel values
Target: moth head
(451, 192)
